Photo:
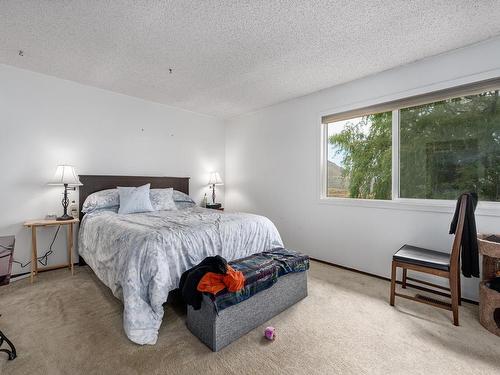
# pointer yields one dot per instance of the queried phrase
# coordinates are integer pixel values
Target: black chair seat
(423, 257)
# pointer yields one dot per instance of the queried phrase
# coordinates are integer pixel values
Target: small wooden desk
(33, 224)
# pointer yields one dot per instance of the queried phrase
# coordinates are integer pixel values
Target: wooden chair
(435, 263)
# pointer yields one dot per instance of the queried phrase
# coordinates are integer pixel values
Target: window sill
(424, 205)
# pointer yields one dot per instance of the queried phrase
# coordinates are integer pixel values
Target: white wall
(45, 121)
(272, 168)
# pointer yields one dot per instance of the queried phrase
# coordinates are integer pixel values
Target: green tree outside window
(446, 147)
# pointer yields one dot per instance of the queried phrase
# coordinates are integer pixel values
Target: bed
(141, 257)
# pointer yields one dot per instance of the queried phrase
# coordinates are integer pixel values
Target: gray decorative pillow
(134, 199)
(181, 197)
(162, 199)
(101, 199)
(182, 200)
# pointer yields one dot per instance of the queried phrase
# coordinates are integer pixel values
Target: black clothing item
(470, 254)
(190, 279)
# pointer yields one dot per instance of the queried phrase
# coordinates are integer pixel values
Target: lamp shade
(65, 174)
(215, 179)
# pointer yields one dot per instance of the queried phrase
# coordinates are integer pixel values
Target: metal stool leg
(12, 352)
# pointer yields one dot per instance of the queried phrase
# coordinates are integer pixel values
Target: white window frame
(412, 204)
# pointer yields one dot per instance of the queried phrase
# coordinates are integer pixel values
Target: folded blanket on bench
(261, 271)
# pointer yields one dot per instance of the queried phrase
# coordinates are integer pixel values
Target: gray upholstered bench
(275, 280)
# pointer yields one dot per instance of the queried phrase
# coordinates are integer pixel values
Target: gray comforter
(141, 257)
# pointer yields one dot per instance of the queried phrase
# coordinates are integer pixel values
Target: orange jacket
(215, 282)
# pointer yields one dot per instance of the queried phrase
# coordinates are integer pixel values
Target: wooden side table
(216, 208)
(34, 224)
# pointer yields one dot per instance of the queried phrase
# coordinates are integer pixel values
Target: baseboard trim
(18, 275)
(378, 277)
(15, 276)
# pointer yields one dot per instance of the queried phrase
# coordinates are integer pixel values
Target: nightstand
(218, 208)
(34, 224)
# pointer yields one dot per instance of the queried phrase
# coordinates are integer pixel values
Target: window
(451, 146)
(433, 146)
(359, 157)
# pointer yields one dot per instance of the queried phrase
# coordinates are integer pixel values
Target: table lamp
(214, 180)
(66, 176)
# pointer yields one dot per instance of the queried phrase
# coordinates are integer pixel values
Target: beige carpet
(72, 325)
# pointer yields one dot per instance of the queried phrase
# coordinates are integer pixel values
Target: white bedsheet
(141, 257)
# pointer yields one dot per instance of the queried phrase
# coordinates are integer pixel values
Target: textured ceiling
(231, 57)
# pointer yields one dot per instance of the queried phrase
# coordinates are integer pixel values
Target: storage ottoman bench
(274, 281)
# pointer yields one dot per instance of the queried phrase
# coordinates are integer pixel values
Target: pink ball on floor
(270, 333)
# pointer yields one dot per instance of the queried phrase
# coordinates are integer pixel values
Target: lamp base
(65, 217)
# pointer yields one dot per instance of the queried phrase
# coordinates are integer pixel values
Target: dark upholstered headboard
(93, 183)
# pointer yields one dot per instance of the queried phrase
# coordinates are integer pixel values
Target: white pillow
(162, 199)
(109, 199)
(134, 199)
